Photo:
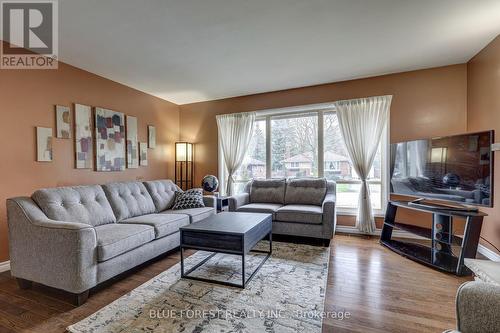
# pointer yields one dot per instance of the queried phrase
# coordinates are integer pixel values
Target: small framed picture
(63, 123)
(143, 154)
(151, 136)
(44, 144)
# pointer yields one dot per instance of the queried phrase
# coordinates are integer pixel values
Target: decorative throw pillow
(189, 199)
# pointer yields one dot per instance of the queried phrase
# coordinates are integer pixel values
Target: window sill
(341, 212)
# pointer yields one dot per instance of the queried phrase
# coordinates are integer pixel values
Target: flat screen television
(456, 169)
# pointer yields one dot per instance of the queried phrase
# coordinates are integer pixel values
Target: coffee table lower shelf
(244, 280)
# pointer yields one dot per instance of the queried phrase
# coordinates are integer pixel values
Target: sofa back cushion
(305, 191)
(129, 199)
(163, 193)
(268, 191)
(83, 204)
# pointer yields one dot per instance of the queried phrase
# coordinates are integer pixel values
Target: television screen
(455, 168)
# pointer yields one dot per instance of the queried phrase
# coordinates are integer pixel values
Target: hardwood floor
(382, 291)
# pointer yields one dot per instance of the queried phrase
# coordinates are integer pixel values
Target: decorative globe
(451, 179)
(210, 183)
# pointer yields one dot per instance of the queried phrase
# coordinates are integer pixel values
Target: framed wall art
(44, 144)
(132, 143)
(63, 122)
(110, 140)
(84, 151)
(151, 136)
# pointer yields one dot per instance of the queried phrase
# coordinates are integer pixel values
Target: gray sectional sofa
(300, 207)
(73, 238)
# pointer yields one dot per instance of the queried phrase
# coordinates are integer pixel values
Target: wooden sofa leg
(24, 284)
(81, 298)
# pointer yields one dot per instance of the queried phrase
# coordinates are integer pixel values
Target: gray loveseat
(300, 207)
(73, 238)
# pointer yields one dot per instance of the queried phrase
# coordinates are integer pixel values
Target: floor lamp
(184, 168)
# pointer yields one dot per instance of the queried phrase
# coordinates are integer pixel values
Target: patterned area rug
(286, 295)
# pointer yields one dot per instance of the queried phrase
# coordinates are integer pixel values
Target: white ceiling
(188, 51)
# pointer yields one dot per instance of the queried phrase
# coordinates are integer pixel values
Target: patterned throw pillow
(189, 199)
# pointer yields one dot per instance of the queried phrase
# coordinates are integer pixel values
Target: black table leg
(270, 242)
(243, 270)
(182, 261)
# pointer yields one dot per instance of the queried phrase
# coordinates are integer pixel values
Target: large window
(309, 144)
(294, 146)
(338, 167)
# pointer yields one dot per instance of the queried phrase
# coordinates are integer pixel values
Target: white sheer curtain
(362, 122)
(235, 132)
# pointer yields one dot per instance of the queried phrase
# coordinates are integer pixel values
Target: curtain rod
(297, 108)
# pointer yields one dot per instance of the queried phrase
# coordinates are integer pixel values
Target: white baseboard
(396, 233)
(492, 255)
(4, 266)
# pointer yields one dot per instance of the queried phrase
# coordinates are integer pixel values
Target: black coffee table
(230, 233)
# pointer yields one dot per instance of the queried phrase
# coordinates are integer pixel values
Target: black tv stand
(422, 203)
(439, 255)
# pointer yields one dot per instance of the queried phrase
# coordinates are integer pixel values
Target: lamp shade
(184, 165)
(438, 155)
(184, 152)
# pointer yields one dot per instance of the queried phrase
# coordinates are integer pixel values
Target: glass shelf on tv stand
(439, 254)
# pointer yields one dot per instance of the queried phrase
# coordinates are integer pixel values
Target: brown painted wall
(27, 99)
(483, 103)
(426, 103)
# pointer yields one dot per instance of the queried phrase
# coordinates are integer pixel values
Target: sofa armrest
(478, 306)
(329, 215)
(238, 200)
(54, 253)
(210, 201)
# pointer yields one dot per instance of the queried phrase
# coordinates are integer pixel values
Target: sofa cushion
(129, 199)
(192, 198)
(268, 191)
(162, 192)
(195, 214)
(422, 184)
(259, 208)
(82, 204)
(164, 224)
(305, 191)
(311, 214)
(115, 239)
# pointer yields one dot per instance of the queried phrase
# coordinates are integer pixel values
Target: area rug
(286, 295)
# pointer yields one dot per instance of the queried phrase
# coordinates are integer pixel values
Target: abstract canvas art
(151, 136)
(132, 144)
(63, 127)
(143, 155)
(109, 140)
(44, 144)
(83, 137)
